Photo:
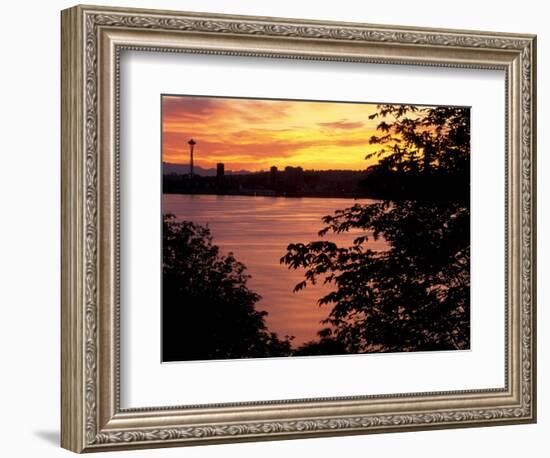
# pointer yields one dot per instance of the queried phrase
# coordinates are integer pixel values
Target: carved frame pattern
(89, 21)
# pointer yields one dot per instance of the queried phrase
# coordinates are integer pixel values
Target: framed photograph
(277, 228)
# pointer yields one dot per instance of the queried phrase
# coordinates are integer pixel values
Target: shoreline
(265, 193)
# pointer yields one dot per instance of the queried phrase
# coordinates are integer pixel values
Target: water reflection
(257, 230)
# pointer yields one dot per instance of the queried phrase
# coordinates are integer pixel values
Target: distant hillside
(183, 169)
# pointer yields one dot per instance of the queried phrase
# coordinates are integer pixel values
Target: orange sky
(255, 134)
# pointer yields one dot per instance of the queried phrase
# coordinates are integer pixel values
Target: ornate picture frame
(93, 39)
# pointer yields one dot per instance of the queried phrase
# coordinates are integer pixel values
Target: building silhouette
(220, 170)
(294, 178)
(273, 172)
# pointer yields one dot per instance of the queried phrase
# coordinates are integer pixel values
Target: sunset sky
(251, 134)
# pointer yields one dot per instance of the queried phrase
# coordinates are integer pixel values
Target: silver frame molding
(92, 40)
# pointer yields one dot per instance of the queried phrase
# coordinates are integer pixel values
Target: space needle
(192, 144)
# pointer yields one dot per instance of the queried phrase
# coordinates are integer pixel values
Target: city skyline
(256, 134)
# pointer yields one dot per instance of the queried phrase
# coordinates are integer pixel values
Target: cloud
(342, 124)
(178, 110)
(254, 134)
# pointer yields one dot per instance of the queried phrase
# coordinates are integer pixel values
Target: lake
(257, 230)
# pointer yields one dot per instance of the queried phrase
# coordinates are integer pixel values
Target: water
(257, 230)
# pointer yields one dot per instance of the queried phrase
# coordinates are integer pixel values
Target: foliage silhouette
(416, 294)
(424, 154)
(326, 345)
(208, 310)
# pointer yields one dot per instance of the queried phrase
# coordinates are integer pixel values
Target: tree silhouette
(424, 154)
(414, 295)
(326, 345)
(208, 310)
